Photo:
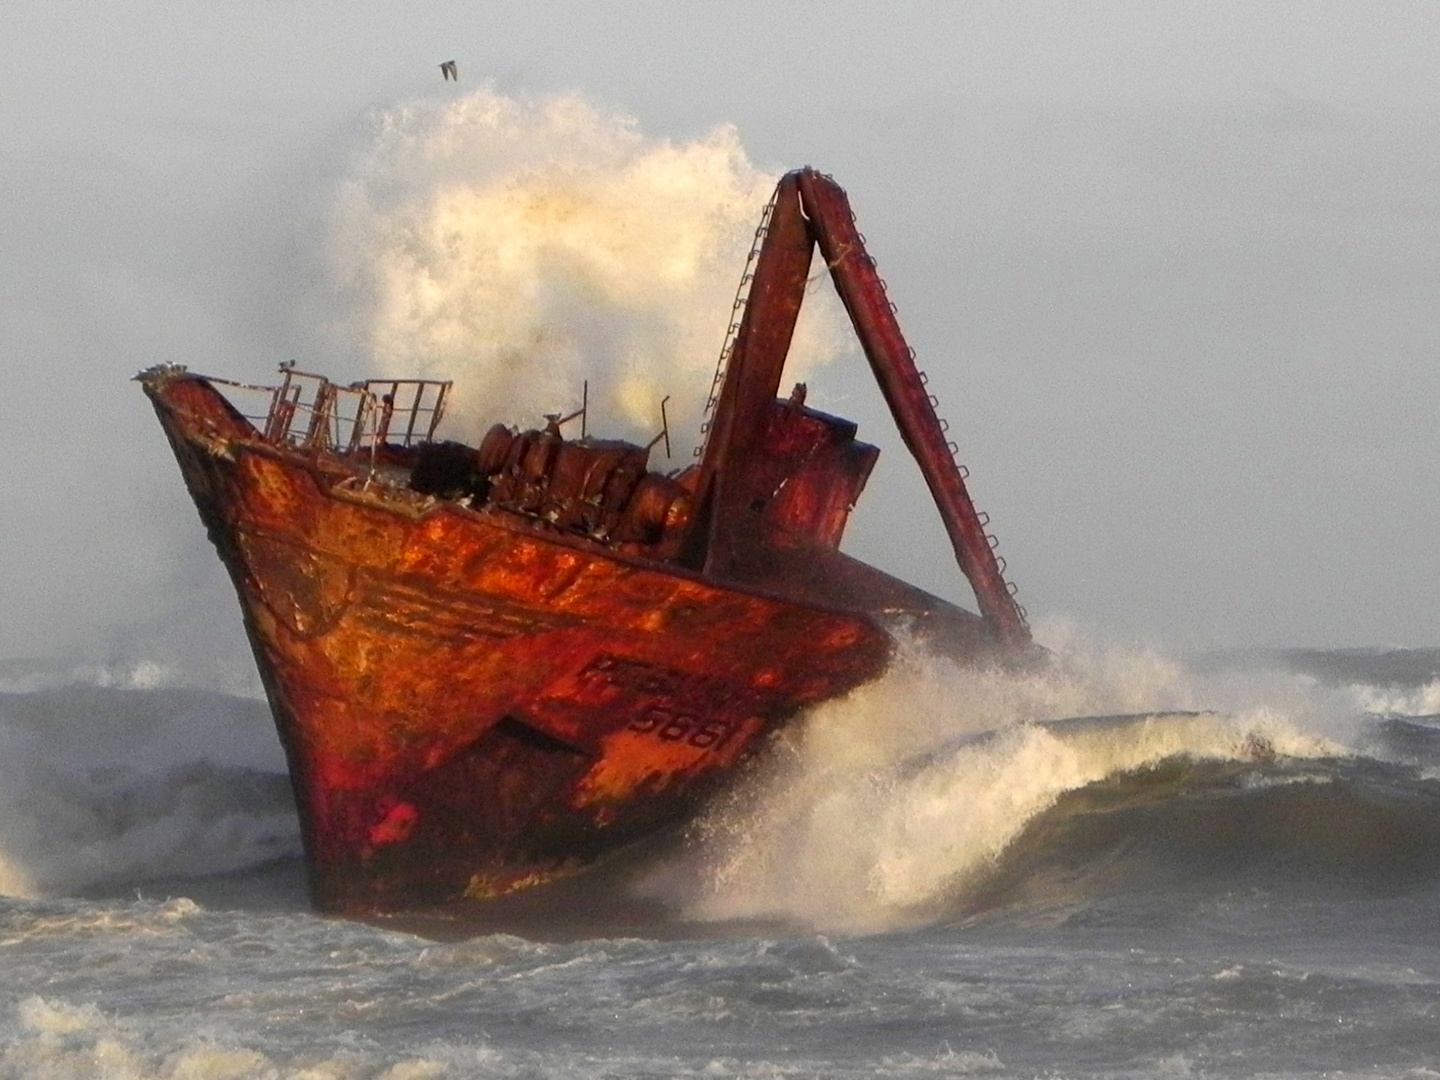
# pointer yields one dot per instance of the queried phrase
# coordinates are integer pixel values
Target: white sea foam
(520, 246)
(27, 677)
(59, 1040)
(879, 804)
(235, 676)
(1399, 701)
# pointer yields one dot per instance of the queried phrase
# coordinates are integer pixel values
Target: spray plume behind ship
(491, 666)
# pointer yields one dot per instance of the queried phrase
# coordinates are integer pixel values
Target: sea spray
(1400, 701)
(876, 807)
(522, 246)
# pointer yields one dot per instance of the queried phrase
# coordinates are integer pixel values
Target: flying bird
(449, 71)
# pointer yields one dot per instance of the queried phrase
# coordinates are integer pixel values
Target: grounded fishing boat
(490, 666)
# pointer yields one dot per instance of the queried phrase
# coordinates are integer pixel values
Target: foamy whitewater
(1125, 864)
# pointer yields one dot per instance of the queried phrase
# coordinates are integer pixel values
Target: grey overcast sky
(1173, 269)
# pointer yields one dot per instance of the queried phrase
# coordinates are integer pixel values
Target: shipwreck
(490, 666)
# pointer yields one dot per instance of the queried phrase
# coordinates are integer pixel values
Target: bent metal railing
(309, 412)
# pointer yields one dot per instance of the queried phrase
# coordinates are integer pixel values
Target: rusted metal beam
(891, 359)
(752, 378)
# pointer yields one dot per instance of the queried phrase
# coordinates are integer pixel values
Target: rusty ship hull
(491, 667)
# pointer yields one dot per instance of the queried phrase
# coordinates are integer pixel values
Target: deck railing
(308, 411)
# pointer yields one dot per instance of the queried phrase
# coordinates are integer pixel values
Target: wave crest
(880, 807)
(103, 787)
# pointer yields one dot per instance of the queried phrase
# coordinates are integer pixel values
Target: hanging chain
(737, 314)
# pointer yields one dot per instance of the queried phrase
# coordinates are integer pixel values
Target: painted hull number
(678, 727)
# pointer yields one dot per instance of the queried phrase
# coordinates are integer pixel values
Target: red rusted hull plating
(469, 705)
(491, 666)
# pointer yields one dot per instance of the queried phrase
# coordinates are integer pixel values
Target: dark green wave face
(1175, 836)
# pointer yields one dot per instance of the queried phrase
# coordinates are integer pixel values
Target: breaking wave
(520, 246)
(108, 786)
(1190, 834)
(922, 796)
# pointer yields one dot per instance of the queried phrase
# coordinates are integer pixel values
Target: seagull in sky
(449, 71)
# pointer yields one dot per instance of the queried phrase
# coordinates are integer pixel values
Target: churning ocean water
(1125, 866)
